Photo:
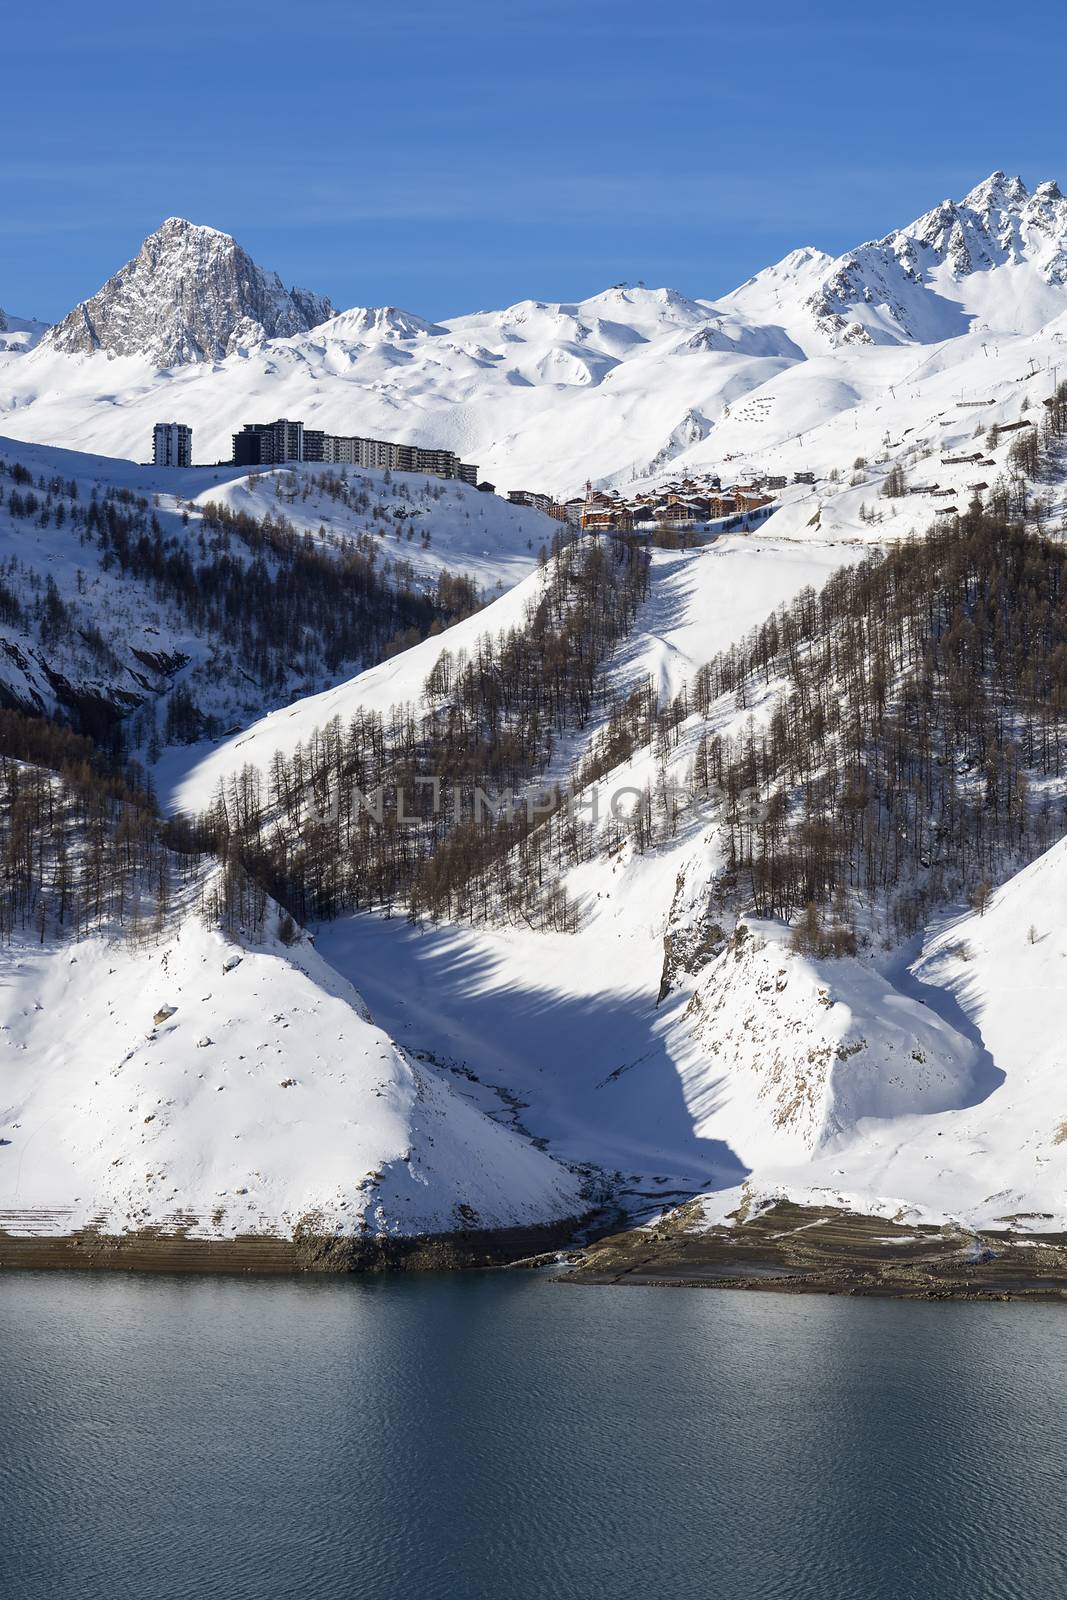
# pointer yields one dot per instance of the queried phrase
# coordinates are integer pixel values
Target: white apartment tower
(172, 445)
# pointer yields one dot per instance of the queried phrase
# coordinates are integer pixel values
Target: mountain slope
(997, 258)
(698, 1037)
(261, 1097)
(995, 1160)
(114, 573)
(19, 334)
(660, 1030)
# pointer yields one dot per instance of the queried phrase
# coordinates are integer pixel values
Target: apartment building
(172, 445)
(264, 444)
(268, 444)
(529, 497)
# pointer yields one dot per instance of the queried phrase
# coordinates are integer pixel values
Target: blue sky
(450, 158)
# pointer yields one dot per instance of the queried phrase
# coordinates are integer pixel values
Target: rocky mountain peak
(901, 287)
(998, 192)
(190, 294)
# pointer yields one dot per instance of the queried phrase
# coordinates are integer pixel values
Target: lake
(506, 1437)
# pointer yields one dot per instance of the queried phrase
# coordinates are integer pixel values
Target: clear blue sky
(452, 157)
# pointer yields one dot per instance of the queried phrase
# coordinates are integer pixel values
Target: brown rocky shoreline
(179, 1249)
(795, 1249)
(786, 1248)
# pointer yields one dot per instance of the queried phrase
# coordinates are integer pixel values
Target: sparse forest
(917, 742)
(272, 601)
(491, 721)
(910, 748)
(80, 839)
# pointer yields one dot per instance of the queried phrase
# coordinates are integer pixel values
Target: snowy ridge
(19, 334)
(960, 260)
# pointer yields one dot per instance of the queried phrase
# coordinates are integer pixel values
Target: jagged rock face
(999, 221)
(997, 224)
(190, 294)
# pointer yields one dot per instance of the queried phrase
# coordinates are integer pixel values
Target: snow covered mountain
(623, 385)
(679, 1048)
(674, 1057)
(190, 294)
(998, 257)
(539, 394)
(674, 1042)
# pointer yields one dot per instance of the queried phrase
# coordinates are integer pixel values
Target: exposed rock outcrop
(190, 294)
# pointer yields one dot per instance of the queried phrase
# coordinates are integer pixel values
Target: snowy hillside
(992, 986)
(91, 626)
(19, 334)
(706, 1051)
(639, 990)
(431, 525)
(925, 1084)
(700, 600)
(567, 1024)
(235, 1089)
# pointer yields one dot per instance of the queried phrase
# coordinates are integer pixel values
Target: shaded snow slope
(262, 1094)
(932, 1090)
